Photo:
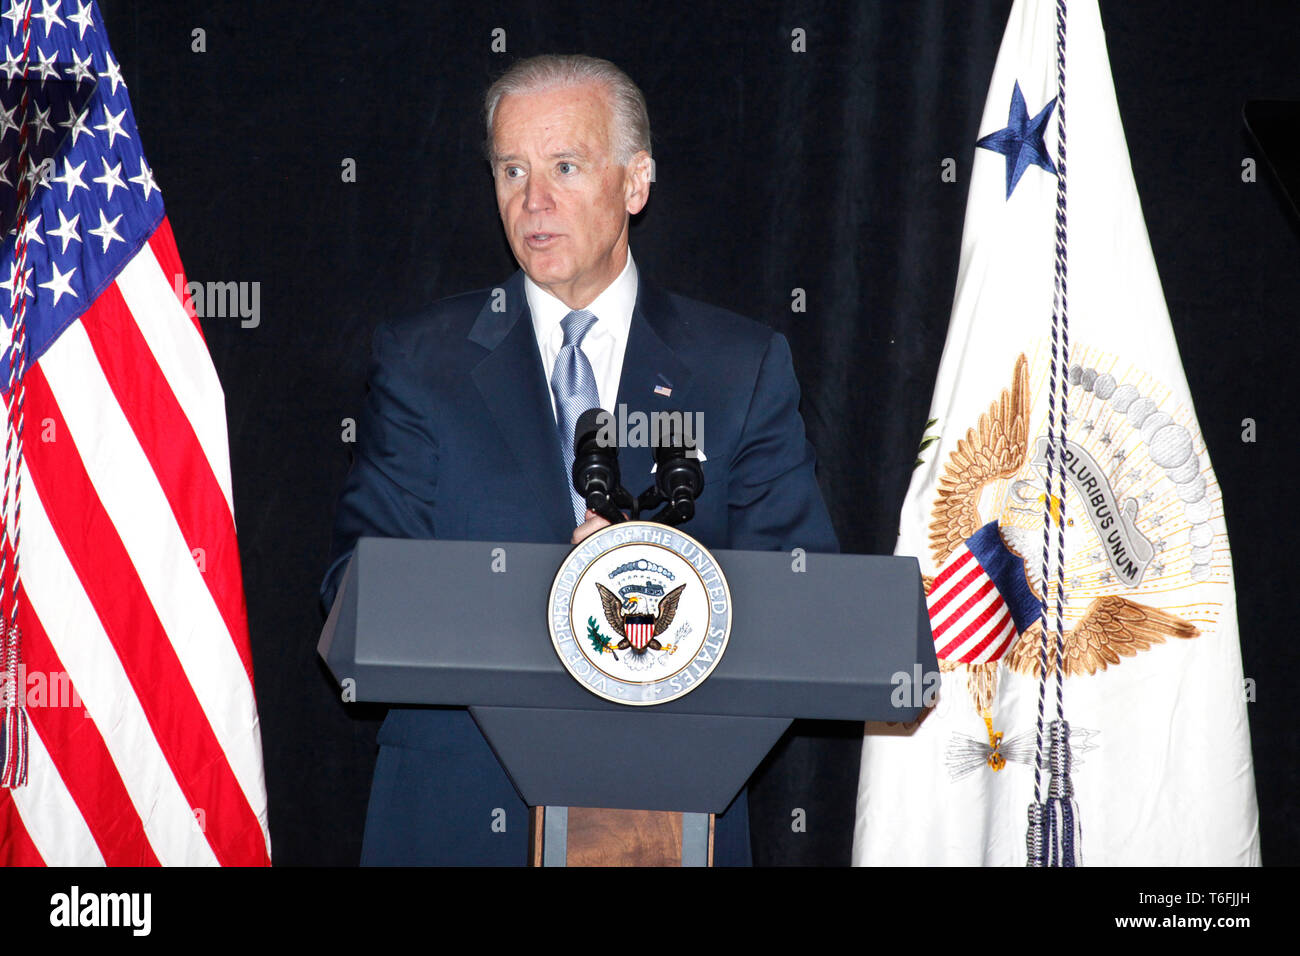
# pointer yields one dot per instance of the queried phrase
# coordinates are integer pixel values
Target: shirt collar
(612, 308)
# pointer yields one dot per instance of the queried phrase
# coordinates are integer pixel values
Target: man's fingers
(593, 524)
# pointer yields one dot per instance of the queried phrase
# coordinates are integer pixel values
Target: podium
(821, 636)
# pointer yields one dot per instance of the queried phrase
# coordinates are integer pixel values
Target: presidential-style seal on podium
(640, 613)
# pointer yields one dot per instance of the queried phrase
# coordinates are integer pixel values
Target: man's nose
(537, 197)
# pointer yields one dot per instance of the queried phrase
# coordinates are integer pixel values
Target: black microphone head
(678, 474)
(666, 454)
(595, 459)
(590, 425)
(679, 477)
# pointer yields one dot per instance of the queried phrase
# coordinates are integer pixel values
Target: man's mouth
(540, 239)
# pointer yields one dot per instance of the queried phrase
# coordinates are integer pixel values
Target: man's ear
(636, 187)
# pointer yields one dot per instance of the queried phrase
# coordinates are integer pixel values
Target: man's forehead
(572, 119)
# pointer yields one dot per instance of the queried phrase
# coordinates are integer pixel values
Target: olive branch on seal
(599, 642)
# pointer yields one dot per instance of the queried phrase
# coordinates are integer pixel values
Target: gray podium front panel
(629, 759)
(431, 622)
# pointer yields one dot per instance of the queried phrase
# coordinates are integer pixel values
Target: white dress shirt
(603, 345)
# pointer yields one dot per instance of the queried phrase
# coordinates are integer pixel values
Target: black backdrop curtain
(776, 170)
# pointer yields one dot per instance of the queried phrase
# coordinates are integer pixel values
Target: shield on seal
(639, 629)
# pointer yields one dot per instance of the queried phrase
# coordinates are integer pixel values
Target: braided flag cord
(13, 723)
(130, 732)
(1053, 836)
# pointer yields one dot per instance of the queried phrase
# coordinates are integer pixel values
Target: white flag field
(1153, 687)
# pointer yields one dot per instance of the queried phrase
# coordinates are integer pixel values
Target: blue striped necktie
(574, 385)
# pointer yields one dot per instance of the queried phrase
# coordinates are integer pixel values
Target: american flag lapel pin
(664, 390)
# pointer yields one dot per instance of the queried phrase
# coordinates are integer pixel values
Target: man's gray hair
(537, 74)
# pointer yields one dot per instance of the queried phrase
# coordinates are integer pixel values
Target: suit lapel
(650, 362)
(511, 382)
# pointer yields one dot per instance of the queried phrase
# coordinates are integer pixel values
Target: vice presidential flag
(1153, 687)
(133, 666)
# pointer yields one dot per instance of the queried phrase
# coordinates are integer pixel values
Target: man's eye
(513, 172)
(566, 168)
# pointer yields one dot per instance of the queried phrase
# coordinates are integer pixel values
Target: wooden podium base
(582, 836)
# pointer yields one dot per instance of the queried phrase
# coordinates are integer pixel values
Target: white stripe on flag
(986, 608)
(181, 355)
(138, 508)
(962, 564)
(954, 623)
(998, 625)
(78, 638)
(49, 814)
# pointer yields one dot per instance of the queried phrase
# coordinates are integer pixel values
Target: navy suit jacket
(458, 440)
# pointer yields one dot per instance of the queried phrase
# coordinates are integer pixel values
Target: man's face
(564, 201)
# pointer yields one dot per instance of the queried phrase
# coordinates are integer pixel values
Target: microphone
(595, 465)
(679, 479)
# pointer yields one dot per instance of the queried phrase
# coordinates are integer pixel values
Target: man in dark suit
(468, 425)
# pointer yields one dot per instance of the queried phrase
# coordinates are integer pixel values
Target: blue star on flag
(1021, 140)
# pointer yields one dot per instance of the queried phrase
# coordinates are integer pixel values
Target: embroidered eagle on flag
(984, 602)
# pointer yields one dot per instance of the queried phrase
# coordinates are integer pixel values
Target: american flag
(144, 745)
(980, 601)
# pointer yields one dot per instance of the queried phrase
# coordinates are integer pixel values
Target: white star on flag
(106, 230)
(111, 178)
(67, 230)
(60, 283)
(49, 16)
(113, 125)
(71, 177)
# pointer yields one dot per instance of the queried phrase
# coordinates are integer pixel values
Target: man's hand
(591, 525)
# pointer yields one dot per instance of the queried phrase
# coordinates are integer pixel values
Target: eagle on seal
(620, 615)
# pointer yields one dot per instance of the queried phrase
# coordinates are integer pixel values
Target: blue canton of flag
(95, 200)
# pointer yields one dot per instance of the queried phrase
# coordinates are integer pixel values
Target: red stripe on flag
(973, 626)
(998, 628)
(959, 588)
(1006, 643)
(965, 558)
(950, 621)
(163, 244)
(96, 552)
(77, 750)
(178, 460)
(16, 847)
